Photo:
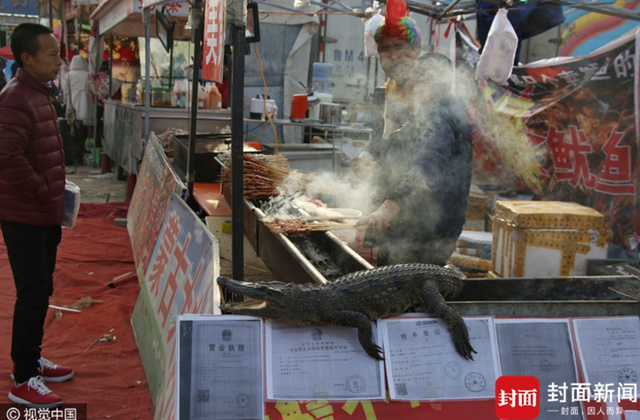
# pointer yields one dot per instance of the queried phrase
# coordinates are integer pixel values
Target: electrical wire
(264, 99)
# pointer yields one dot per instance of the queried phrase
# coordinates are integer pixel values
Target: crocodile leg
(457, 327)
(365, 333)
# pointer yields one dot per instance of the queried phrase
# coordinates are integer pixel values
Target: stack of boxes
(546, 238)
(528, 238)
(473, 248)
(473, 253)
(476, 208)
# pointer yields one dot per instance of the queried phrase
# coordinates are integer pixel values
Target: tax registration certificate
(423, 364)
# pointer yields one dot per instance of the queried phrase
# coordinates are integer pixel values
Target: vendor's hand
(380, 219)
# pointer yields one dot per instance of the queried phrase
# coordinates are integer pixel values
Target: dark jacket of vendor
(425, 167)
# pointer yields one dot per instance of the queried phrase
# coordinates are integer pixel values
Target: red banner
(213, 41)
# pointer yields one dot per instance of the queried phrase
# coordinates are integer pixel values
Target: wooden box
(546, 238)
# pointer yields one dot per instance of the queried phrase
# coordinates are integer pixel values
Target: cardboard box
(546, 238)
(476, 204)
(474, 243)
(466, 262)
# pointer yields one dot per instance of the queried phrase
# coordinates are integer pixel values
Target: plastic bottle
(139, 93)
(214, 98)
(202, 98)
(177, 98)
(187, 94)
(322, 77)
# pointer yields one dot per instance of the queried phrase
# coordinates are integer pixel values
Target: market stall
(548, 351)
(128, 123)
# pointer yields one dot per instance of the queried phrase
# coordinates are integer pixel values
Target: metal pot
(330, 113)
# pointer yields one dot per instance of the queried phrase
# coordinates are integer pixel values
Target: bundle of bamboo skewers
(261, 176)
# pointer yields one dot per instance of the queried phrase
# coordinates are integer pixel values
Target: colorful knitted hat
(398, 24)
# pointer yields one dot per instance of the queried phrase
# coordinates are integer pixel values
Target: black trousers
(73, 143)
(32, 252)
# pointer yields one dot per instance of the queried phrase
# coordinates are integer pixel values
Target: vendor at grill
(422, 171)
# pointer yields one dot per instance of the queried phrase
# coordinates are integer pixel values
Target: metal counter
(124, 128)
(547, 297)
(291, 265)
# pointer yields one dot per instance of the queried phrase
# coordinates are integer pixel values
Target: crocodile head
(267, 298)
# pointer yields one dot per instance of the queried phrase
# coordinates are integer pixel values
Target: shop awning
(124, 17)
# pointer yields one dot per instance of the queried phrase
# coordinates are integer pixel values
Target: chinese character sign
(155, 184)
(567, 131)
(213, 42)
(179, 279)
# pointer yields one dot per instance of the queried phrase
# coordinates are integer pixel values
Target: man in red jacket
(32, 182)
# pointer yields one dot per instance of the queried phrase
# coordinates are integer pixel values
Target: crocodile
(356, 299)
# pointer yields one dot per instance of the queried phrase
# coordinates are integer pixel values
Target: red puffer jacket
(32, 172)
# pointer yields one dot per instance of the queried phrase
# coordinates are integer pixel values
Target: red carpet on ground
(109, 377)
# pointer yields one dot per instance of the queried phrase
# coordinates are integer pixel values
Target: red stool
(105, 166)
(131, 185)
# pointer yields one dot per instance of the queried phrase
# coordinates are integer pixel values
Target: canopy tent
(6, 52)
(448, 9)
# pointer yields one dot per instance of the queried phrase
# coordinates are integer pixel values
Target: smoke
(338, 190)
(344, 189)
(292, 184)
(322, 189)
(434, 76)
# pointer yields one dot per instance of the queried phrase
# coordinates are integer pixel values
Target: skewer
(310, 227)
(329, 218)
(62, 308)
(335, 226)
(628, 292)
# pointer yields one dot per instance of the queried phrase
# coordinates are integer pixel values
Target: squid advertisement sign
(567, 130)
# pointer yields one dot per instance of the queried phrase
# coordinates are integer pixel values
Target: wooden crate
(546, 238)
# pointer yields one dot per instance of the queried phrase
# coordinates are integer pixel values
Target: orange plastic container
(299, 106)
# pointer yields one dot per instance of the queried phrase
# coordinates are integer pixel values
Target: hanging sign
(19, 7)
(213, 40)
(176, 9)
